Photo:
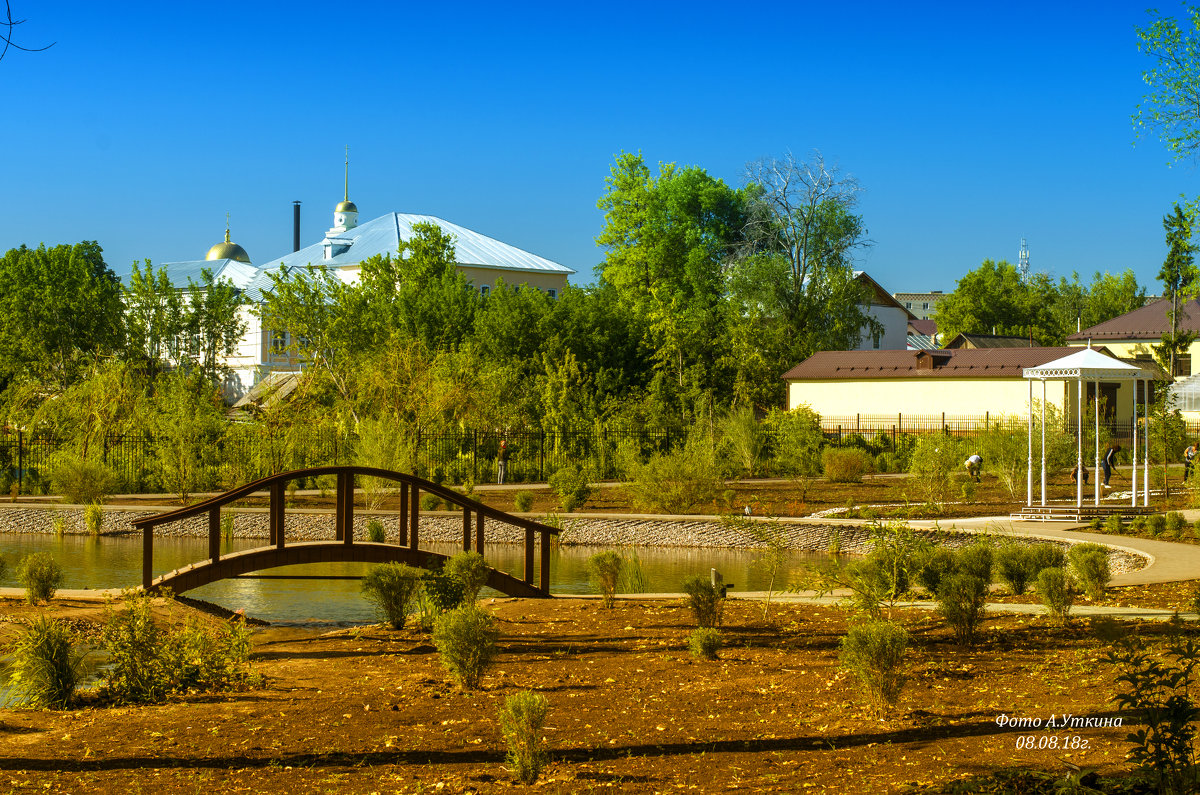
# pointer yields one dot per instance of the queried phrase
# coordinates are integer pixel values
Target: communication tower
(1023, 261)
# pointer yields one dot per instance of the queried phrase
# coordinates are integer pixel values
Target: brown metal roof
(1148, 322)
(960, 363)
(964, 340)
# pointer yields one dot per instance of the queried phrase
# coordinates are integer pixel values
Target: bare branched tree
(8, 23)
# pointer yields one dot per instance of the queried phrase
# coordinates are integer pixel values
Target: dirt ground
(372, 710)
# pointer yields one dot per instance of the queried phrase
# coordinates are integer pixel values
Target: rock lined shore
(581, 529)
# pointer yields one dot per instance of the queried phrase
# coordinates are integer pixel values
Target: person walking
(974, 465)
(1189, 455)
(1109, 461)
(502, 463)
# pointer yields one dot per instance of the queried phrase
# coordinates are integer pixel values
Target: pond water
(116, 562)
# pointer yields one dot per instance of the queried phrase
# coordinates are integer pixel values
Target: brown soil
(372, 710)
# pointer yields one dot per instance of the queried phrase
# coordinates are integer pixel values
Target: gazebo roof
(1087, 363)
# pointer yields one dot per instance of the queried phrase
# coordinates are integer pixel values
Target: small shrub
(886, 462)
(1057, 594)
(874, 651)
(676, 482)
(975, 560)
(45, 665)
(936, 565)
(470, 569)
(375, 532)
(522, 719)
(1138, 523)
(633, 576)
(960, 600)
(523, 501)
(1091, 569)
(436, 594)
(1155, 524)
(79, 481)
(1174, 522)
(1012, 564)
(466, 640)
(1113, 525)
(1096, 524)
(706, 602)
(93, 518)
(391, 587)
(604, 571)
(704, 643)
(1045, 556)
(571, 485)
(846, 465)
(430, 502)
(59, 522)
(227, 521)
(40, 575)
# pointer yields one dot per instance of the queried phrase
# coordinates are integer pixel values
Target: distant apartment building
(923, 305)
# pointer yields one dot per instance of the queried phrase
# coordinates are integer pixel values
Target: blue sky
(969, 127)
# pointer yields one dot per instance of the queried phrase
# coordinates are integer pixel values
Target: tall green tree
(213, 322)
(1180, 280)
(993, 299)
(153, 316)
(1079, 306)
(1171, 108)
(792, 287)
(60, 308)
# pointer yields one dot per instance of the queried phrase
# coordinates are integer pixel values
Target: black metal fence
(967, 426)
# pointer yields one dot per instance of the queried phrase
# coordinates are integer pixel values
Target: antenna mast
(1023, 261)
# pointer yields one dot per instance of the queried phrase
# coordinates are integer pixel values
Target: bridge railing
(474, 514)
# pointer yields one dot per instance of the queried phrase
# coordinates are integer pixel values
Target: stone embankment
(580, 529)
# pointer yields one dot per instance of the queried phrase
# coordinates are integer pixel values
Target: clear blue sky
(969, 126)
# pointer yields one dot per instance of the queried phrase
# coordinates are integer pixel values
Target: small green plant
(704, 643)
(976, 560)
(375, 532)
(93, 518)
(466, 640)
(435, 595)
(470, 570)
(1155, 524)
(40, 575)
(1174, 522)
(1089, 564)
(846, 465)
(391, 587)
(1113, 525)
(604, 571)
(523, 501)
(227, 521)
(59, 523)
(522, 719)
(935, 565)
(705, 600)
(45, 665)
(1138, 523)
(430, 502)
(1161, 687)
(874, 651)
(1057, 593)
(633, 576)
(78, 480)
(1096, 525)
(1044, 556)
(1012, 564)
(571, 485)
(960, 600)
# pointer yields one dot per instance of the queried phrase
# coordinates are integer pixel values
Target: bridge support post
(479, 532)
(276, 514)
(466, 545)
(529, 555)
(545, 567)
(147, 556)
(402, 539)
(414, 517)
(214, 534)
(346, 509)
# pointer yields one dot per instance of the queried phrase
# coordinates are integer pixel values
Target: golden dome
(228, 250)
(346, 207)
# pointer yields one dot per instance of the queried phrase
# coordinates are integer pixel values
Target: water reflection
(115, 562)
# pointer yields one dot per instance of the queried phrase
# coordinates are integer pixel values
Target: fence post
(20, 463)
(474, 463)
(542, 456)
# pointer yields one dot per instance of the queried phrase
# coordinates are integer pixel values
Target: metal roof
(958, 363)
(1144, 323)
(1085, 363)
(240, 274)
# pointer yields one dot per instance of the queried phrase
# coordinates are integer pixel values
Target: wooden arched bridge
(343, 548)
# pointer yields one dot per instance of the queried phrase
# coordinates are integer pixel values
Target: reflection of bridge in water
(344, 548)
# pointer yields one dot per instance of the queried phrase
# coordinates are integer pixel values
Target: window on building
(278, 342)
(484, 290)
(552, 293)
(925, 305)
(908, 304)
(875, 339)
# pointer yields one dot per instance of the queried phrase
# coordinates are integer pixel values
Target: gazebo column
(1096, 438)
(1133, 495)
(1146, 453)
(1029, 455)
(1043, 442)
(1079, 443)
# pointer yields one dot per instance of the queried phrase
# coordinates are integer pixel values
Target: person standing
(1189, 455)
(974, 465)
(502, 463)
(1109, 461)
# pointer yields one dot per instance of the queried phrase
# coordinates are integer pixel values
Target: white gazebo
(1088, 365)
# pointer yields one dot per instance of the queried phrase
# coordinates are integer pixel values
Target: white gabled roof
(1086, 363)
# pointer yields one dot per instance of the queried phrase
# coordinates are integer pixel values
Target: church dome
(346, 207)
(228, 250)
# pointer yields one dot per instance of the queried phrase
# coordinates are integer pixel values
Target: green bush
(375, 532)
(706, 602)
(1096, 524)
(1091, 568)
(79, 481)
(934, 457)
(886, 462)
(1155, 524)
(147, 659)
(975, 560)
(227, 521)
(846, 465)
(571, 486)
(40, 575)
(1045, 556)
(960, 600)
(471, 570)
(1174, 522)
(1113, 525)
(93, 518)
(1138, 523)
(523, 501)
(704, 643)
(45, 665)
(1012, 564)
(934, 566)
(436, 594)
(430, 502)
(604, 571)
(874, 651)
(1057, 593)
(677, 482)
(522, 719)
(466, 640)
(633, 576)
(392, 587)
